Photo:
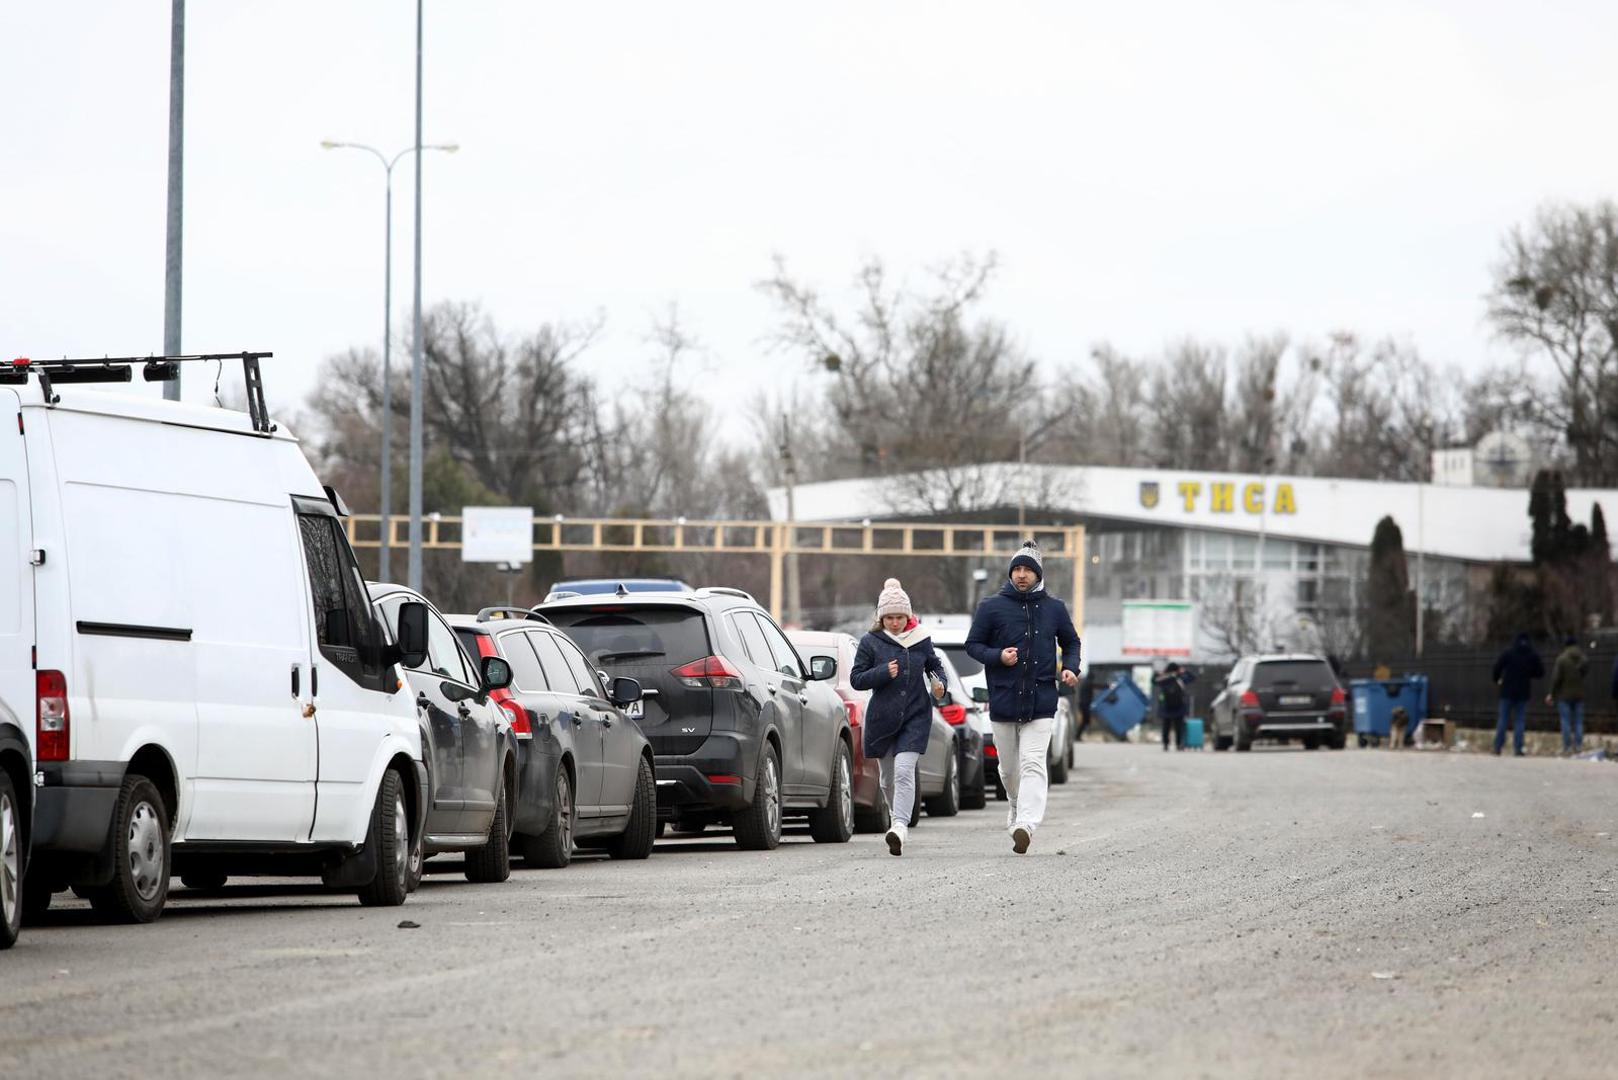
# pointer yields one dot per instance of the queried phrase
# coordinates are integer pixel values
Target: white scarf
(910, 638)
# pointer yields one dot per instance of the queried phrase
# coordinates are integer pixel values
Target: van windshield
(1293, 675)
(673, 636)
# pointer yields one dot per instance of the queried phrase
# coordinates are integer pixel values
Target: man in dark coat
(1567, 693)
(1016, 635)
(1173, 702)
(1518, 666)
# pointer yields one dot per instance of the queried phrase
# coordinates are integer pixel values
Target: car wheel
(491, 863)
(834, 824)
(1221, 742)
(1058, 769)
(1244, 737)
(947, 804)
(390, 838)
(976, 797)
(758, 828)
(1070, 755)
(11, 863)
(140, 850)
(204, 881)
(553, 849)
(636, 841)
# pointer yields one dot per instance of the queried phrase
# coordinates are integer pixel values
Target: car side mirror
(496, 673)
(980, 694)
(412, 633)
(626, 691)
(822, 668)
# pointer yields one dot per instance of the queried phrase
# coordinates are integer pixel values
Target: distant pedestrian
(1015, 635)
(1518, 666)
(893, 661)
(1173, 702)
(1087, 694)
(1567, 692)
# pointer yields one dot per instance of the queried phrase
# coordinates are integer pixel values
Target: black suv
(1281, 696)
(742, 730)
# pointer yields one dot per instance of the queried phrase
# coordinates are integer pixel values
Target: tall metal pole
(171, 244)
(413, 578)
(384, 560)
(794, 610)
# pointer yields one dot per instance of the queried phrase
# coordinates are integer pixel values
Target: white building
(1279, 560)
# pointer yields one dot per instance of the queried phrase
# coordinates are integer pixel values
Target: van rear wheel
(11, 863)
(139, 839)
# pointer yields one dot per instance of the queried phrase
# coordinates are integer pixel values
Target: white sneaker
(896, 839)
(1021, 837)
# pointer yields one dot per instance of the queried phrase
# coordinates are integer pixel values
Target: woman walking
(893, 661)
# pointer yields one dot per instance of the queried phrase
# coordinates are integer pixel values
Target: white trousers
(1022, 749)
(899, 785)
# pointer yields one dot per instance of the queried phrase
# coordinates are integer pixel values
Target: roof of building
(1474, 524)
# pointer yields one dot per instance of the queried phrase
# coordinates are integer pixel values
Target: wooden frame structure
(774, 539)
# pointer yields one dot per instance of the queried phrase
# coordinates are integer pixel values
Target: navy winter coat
(899, 717)
(1518, 666)
(1036, 623)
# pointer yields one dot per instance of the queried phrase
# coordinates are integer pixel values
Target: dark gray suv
(742, 729)
(1280, 696)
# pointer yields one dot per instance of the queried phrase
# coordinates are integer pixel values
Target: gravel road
(1279, 913)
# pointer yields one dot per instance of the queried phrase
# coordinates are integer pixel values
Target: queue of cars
(197, 682)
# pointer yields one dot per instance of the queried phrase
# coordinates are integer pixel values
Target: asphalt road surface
(1279, 913)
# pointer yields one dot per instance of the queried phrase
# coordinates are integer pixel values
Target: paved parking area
(1279, 913)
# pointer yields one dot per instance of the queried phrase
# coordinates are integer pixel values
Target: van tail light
(955, 714)
(1250, 701)
(853, 708)
(51, 719)
(709, 673)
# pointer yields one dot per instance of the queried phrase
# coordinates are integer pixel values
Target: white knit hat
(894, 600)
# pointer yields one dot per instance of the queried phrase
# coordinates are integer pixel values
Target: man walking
(1567, 692)
(1173, 702)
(1016, 635)
(1518, 666)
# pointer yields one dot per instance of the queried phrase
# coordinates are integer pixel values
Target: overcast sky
(1145, 170)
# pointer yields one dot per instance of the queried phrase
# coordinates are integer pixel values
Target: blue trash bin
(1121, 707)
(1375, 700)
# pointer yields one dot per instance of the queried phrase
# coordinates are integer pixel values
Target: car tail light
(1250, 700)
(853, 708)
(1338, 696)
(990, 751)
(955, 714)
(711, 672)
(51, 719)
(503, 697)
(722, 778)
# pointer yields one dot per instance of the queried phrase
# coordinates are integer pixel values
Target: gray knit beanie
(1028, 555)
(894, 600)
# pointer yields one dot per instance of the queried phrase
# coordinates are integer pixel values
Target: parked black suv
(742, 730)
(1282, 696)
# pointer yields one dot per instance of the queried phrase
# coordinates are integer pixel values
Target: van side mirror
(980, 694)
(822, 668)
(496, 673)
(626, 691)
(412, 633)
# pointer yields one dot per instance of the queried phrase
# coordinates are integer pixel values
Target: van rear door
(16, 575)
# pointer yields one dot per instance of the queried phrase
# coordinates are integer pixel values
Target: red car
(870, 810)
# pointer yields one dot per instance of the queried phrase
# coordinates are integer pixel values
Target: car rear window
(1293, 675)
(637, 635)
(965, 666)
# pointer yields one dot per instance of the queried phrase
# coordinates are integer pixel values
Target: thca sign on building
(1224, 496)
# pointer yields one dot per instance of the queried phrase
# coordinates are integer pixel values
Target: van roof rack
(488, 614)
(115, 369)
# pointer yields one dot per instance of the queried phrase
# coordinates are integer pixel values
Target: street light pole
(414, 569)
(172, 249)
(386, 509)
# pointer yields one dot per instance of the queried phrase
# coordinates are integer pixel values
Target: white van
(184, 626)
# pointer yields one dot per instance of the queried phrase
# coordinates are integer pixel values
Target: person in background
(1518, 666)
(1567, 693)
(1173, 702)
(894, 661)
(1087, 694)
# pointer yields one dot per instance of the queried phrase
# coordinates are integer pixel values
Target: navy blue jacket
(1518, 666)
(899, 717)
(1036, 623)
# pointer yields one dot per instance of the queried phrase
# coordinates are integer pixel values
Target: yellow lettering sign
(1189, 490)
(1221, 498)
(1253, 498)
(1284, 503)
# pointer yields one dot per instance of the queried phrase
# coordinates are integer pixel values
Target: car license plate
(1297, 699)
(635, 710)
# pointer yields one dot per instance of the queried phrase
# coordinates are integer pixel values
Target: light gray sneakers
(896, 839)
(1021, 837)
